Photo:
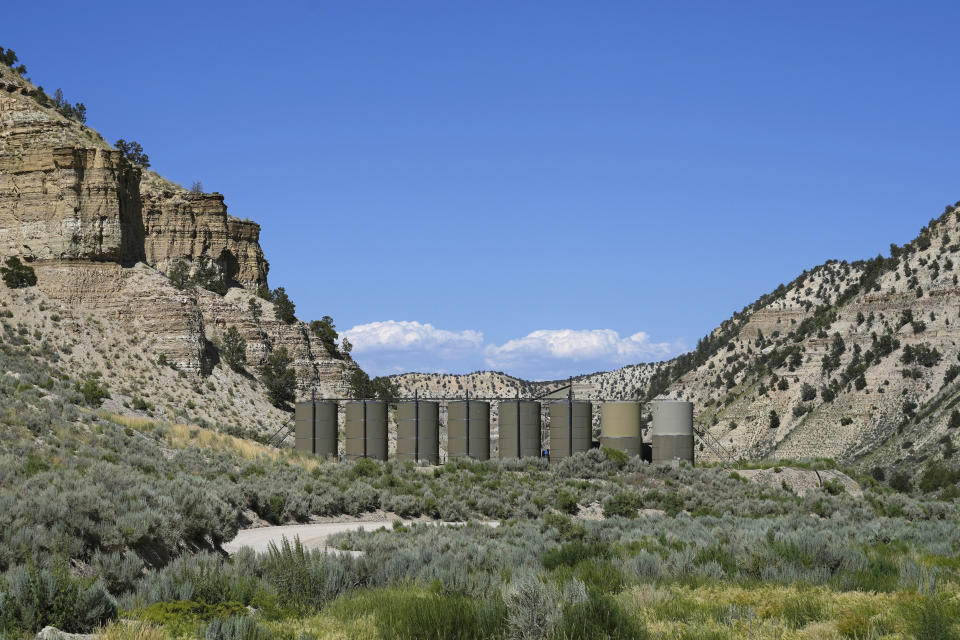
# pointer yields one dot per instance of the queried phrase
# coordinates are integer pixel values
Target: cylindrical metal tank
(672, 431)
(418, 431)
(468, 429)
(316, 428)
(620, 426)
(571, 428)
(519, 429)
(366, 430)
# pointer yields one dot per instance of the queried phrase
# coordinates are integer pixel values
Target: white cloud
(392, 346)
(392, 335)
(602, 347)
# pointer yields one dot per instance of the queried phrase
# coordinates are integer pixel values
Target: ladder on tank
(713, 444)
(281, 434)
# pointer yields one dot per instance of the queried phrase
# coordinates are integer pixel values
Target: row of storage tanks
(468, 429)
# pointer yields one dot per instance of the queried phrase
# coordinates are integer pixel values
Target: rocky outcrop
(63, 202)
(102, 233)
(316, 370)
(134, 296)
(181, 225)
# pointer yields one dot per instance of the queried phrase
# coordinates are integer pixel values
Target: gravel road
(312, 536)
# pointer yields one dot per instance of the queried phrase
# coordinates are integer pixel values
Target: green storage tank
(418, 431)
(519, 429)
(620, 426)
(672, 431)
(316, 428)
(366, 430)
(468, 429)
(571, 428)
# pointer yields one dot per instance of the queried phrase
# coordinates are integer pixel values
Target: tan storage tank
(672, 431)
(316, 428)
(418, 431)
(366, 430)
(519, 429)
(571, 428)
(620, 426)
(468, 429)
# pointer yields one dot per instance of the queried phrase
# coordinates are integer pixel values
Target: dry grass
(130, 630)
(767, 612)
(182, 436)
(134, 422)
(327, 627)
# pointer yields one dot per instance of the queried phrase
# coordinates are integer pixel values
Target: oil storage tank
(672, 431)
(316, 428)
(468, 429)
(519, 429)
(366, 430)
(571, 428)
(620, 426)
(418, 431)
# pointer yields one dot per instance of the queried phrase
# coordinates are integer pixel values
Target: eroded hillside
(104, 234)
(856, 361)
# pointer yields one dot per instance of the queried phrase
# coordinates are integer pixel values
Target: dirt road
(312, 536)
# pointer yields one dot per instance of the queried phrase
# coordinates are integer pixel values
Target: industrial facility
(522, 432)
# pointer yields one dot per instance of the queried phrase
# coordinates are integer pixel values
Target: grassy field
(113, 525)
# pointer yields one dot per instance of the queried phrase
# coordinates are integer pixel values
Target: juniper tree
(326, 332)
(234, 349)
(179, 275)
(17, 275)
(283, 306)
(133, 152)
(277, 376)
(255, 309)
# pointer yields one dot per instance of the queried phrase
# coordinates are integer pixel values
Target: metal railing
(713, 444)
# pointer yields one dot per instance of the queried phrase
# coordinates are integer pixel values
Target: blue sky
(543, 188)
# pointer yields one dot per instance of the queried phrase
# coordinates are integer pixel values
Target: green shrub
(364, 468)
(34, 465)
(951, 373)
(573, 553)
(833, 486)
(599, 617)
(900, 481)
(17, 275)
(567, 503)
(621, 504)
(209, 276)
(304, 580)
(239, 627)
(407, 614)
(93, 392)
(616, 456)
(932, 618)
(600, 575)
(183, 616)
(32, 598)
(937, 476)
(802, 610)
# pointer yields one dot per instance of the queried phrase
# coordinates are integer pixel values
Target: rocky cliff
(102, 234)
